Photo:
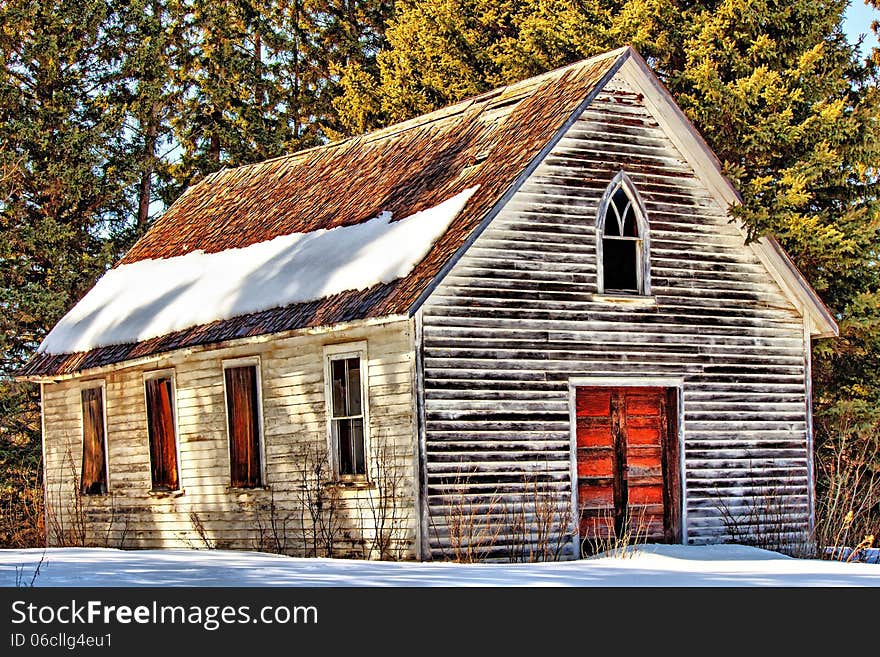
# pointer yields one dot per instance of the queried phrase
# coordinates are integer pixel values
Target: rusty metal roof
(489, 140)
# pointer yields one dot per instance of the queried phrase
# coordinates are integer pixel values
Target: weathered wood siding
(518, 317)
(292, 374)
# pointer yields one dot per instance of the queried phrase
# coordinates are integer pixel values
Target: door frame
(675, 383)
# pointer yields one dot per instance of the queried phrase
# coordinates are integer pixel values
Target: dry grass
(471, 525)
(539, 523)
(617, 544)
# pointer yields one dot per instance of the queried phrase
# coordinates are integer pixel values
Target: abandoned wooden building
(527, 312)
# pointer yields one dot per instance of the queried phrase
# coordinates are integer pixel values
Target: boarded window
(160, 427)
(243, 416)
(347, 416)
(93, 479)
(622, 245)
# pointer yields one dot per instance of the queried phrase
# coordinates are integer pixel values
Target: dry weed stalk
(471, 523)
(202, 531)
(540, 527)
(387, 515)
(848, 490)
(617, 544)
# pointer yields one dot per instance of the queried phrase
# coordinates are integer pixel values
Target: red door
(627, 463)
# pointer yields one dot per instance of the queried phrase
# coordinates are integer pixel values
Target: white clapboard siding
(208, 513)
(518, 316)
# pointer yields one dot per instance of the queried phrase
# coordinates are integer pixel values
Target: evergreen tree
(348, 36)
(787, 104)
(145, 35)
(59, 198)
(61, 202)
(793, 112)
(230, 109)
(441, 51)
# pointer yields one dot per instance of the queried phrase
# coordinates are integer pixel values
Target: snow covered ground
(650, 565)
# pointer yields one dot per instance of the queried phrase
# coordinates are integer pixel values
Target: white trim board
(338, 351)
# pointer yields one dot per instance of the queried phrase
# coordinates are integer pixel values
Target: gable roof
(479, 150)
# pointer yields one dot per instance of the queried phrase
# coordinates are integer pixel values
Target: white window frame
(340, 352)
(161, 374)
(91, 385)
(248, 361)
(643, 250)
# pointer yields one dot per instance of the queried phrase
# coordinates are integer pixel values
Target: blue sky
(858, 21)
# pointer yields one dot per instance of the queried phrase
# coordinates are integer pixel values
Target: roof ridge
(434, 115)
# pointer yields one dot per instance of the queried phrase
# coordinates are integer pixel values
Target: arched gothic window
(622, 240)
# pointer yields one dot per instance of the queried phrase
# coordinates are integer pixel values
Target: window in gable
(622, 240)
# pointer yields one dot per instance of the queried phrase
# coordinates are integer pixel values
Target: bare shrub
(472, 522)
(320, 502)
(22, 511)
(848, 481)
(75, 521)
(539, 523)
(765, 520)
(272, 527)
(22, 521)
(534, 526)
(617, 543)
(72, 530)
(388, 516)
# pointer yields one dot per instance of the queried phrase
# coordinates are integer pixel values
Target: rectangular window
(244, 424)
(93, 478)
(347, 412)
(160, 427)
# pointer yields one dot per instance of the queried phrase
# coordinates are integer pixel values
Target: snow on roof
(486, 142)
(149, 298)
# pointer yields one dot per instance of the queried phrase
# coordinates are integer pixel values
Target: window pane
(244, 426)
(357, 440)
(338, 385)
(630, 227)
(619, 264)
(354, 386)
(612, 224)
(342, 429)
(93, 478)
(160, 428)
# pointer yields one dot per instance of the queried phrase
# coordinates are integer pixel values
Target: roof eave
(822, 321)
(237, 342)
(701, 157)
